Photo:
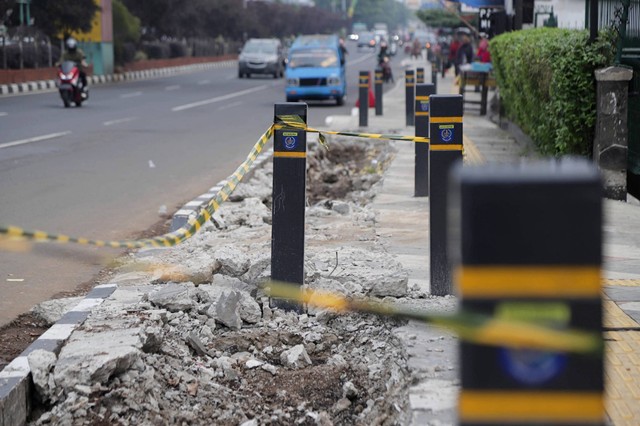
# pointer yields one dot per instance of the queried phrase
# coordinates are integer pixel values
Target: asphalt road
(105, 170)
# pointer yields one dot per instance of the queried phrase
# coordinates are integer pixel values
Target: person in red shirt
(453, 51)
(483, 54)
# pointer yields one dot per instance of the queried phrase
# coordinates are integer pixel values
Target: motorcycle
(70, 84)
(387, 74)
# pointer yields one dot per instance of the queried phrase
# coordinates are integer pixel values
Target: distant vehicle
(428, 42)
(316, 69)
(380, 26)
(381, 35)
(393, 45)
(261, 56)
(356, 29)
(367, 39)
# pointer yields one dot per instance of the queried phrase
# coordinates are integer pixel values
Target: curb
(15, 378)
(44, 85)
(181, 217)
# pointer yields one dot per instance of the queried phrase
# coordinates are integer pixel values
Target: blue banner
(482, 3)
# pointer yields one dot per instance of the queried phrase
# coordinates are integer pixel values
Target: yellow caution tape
(167, 240)
(204, 214)
(294, 121)
(472, 327)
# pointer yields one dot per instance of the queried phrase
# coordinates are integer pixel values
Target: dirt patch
(16, 336)
(347, 170)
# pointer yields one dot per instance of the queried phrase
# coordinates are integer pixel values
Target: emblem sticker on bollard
(446, 133)
(532, 367)
(290, 140)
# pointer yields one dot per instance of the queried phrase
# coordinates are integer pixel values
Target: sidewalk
(402, 220)
(401, 225)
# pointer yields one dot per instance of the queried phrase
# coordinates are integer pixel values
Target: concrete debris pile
(196, 359)
(348, 170)
(190, 338)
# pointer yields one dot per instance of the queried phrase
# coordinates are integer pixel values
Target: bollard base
(286, 305)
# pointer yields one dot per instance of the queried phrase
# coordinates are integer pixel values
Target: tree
(126, 32)
(440, 18)
(126, 27)
(62, 17)
(391, 12)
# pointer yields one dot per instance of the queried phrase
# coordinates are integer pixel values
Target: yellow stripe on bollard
(488, 282)
(290, 154)
(446, 147)
(446, 119)
(548, 407)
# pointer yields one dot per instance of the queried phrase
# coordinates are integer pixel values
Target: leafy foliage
(126, 32)
(390, 12)
(438, 18)
(234, 19)
(62, 17)
(547, 85)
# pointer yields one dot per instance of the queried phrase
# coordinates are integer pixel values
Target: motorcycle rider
(387, 74)
(75, 54)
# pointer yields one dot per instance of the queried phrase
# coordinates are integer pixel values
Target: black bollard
(409, 84)
(445, 149)
(419, 75)
(378, 90)
(528, 247)
(363, 96)
(434, 77)
(289, 174)
(421, 168)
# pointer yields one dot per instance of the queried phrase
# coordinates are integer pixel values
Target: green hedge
(547, 85)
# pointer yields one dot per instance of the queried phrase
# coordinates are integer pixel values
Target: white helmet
(71, 43)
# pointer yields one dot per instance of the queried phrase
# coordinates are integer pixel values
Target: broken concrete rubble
(52, 310)
(214, 352)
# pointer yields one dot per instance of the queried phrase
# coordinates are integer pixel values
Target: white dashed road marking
(35, 139)
(120, 120)
(219, 98)
(131, 95)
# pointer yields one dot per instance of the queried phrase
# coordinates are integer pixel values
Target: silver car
(261, 56)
